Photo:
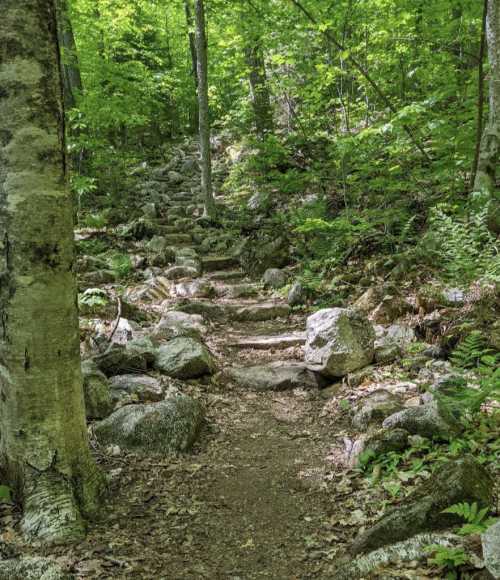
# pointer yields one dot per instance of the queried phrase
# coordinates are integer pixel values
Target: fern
(476, 520)
(466, 247)
(470, 351)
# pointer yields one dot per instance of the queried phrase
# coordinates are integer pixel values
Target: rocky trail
(211, 365)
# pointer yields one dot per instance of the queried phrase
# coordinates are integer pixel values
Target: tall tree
(70, 66)
(490, 142)
(43, 446)
(259, 92)
(203, 113)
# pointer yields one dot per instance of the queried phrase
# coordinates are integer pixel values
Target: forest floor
(266, 492)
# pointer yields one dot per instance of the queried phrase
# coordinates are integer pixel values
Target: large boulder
(170, 426)
(98, 403)
(339, 341)
(463, 480)
(185, 358)
(277, 376)
(175, 324)
(297, 294)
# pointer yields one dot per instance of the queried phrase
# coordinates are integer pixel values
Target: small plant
(97, 220)
(93, 298)
(470, 351)
(121, 264)
(448, 558)
(5, 494)
(477, 520)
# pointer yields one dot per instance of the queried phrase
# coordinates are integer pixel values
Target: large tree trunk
(194, 116)
(43, 446)
(204, 119)
(70, 67)
(490, 142)
(261, 101)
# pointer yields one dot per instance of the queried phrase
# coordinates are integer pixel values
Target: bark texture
(261, 101)
(70, 67)
(204, 118)
(43, 446)
(490, 142)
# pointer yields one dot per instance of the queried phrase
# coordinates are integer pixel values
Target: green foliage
(93, 298)
(464, 245)
(448, 558)
(95, 220)
(121, 264)
(470, 351)
(5, 494)
(477, 520)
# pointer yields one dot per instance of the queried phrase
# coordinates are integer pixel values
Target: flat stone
(261, 312)
(214, 263)
(277, 376)
(175, 324)
(226, 275)
(374, 408)
(271, 342)
(143, 387)
(239, 290)
(180, 272)
(209, 310)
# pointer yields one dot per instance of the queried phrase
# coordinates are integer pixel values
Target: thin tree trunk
(72, 80)
(480, 96)
(204, 120)
(360, 68)
(194, 59)
(261, 101)
(43, 446)
(488, 154)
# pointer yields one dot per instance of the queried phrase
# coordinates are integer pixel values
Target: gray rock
(144, 388)
(179, 272)
(261, 312)
(274, 278)
(175, 324)
(491, 549)
(185, 358)
(96, 390)
(297, 294)
(277, 376)
(32, 568)
(378, 443)
(195, 289)
(119, 359)
(453, 297)
(149, 210)
(397, 334)
(374, 408)
(159, 252)
(359, 377)
(170, 426)
(428, 420)
(339, 341)
(208, 310)
(463, 480)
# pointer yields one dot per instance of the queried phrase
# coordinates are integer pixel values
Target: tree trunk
(259, 92)
(43, 446)
(488, 156)
(204, 119)
(70, 66)
(194, 116)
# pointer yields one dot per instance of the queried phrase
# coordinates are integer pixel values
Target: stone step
(239, 312)
(214, 263)
(238, 290)
(226, 275)
(276, 376)
(270, 342)
(178, 239)
(260, 312)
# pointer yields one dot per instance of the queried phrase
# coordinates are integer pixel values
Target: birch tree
(43, 445)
